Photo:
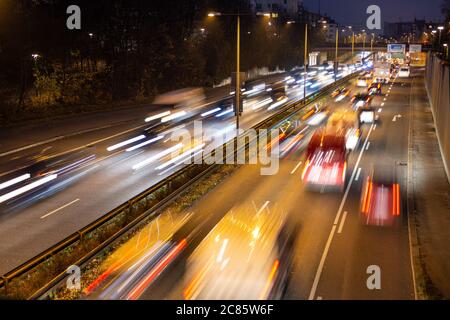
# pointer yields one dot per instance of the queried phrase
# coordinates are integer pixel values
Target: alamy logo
(74, 20)
(374, 280)
(74, 279)
(374, 20)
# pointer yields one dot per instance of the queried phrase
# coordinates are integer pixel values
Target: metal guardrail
(184, 178)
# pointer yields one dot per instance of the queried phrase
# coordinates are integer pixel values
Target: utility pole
(353, 47)
(305, 62)
(238, 74)
(371, 43)
(336, 62)
(364, 46)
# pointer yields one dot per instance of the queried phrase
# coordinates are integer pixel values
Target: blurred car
(277, 90)
(340, 93)
(361, 82)
(367, 115)
(66, 163)
(374, 88)
(404, 72)
(247, 256)
(182, 98)
(326, 161)
(361, 100)
(380, 198)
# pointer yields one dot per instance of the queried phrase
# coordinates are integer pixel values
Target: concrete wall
(438, 89)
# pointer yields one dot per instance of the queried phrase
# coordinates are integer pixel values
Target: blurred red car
(380, 199)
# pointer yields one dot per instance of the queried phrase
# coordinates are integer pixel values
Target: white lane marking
(357, 174)
(321, 264)
(367, 147)
(60, 208)
(319, 298)
(86, 131)
(341, 225)
(77, 148)
(296, 167)
(380, 109)
(384, 99)
(72, 135)
(263, 207)
(30, 146)
(387, 95)
(382, 104)
(333, 229)
(409, 179)
(128, 158)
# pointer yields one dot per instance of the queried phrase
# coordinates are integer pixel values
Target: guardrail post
(128, 212)
(80, 235)
(169, 186)
(5, 280)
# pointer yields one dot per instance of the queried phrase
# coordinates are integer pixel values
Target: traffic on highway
(325, 159)
(224, 158)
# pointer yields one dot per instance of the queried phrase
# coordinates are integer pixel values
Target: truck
(181, 99)
(327, 152)
(346, 122)
(381, 72)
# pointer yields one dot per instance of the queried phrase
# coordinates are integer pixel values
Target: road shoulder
(428, 202)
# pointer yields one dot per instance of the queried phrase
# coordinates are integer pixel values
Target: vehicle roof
(239, 252)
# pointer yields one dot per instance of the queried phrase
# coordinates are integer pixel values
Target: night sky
(353, 12)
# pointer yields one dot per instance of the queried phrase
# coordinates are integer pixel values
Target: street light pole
(440, 28)
(237, 101)
(353, 47)
(305, 62)
(371, 43)
(238, 75)
(364, 44)
(336, 62)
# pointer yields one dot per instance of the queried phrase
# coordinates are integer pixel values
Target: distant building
(289, 8)
(329, 27)
(322, 23)
(409, 31)
(306, 16)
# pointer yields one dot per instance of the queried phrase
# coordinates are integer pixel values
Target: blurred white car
(404, 72)
(361, 82)
(367, 115)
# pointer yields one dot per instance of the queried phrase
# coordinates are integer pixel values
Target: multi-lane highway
(336, 255)
(93, 175)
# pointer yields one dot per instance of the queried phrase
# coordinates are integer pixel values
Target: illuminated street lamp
(238, 58)
(353, 47)
(440, 28)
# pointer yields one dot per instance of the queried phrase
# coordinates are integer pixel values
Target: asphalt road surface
(33, 223)
(335, 252)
